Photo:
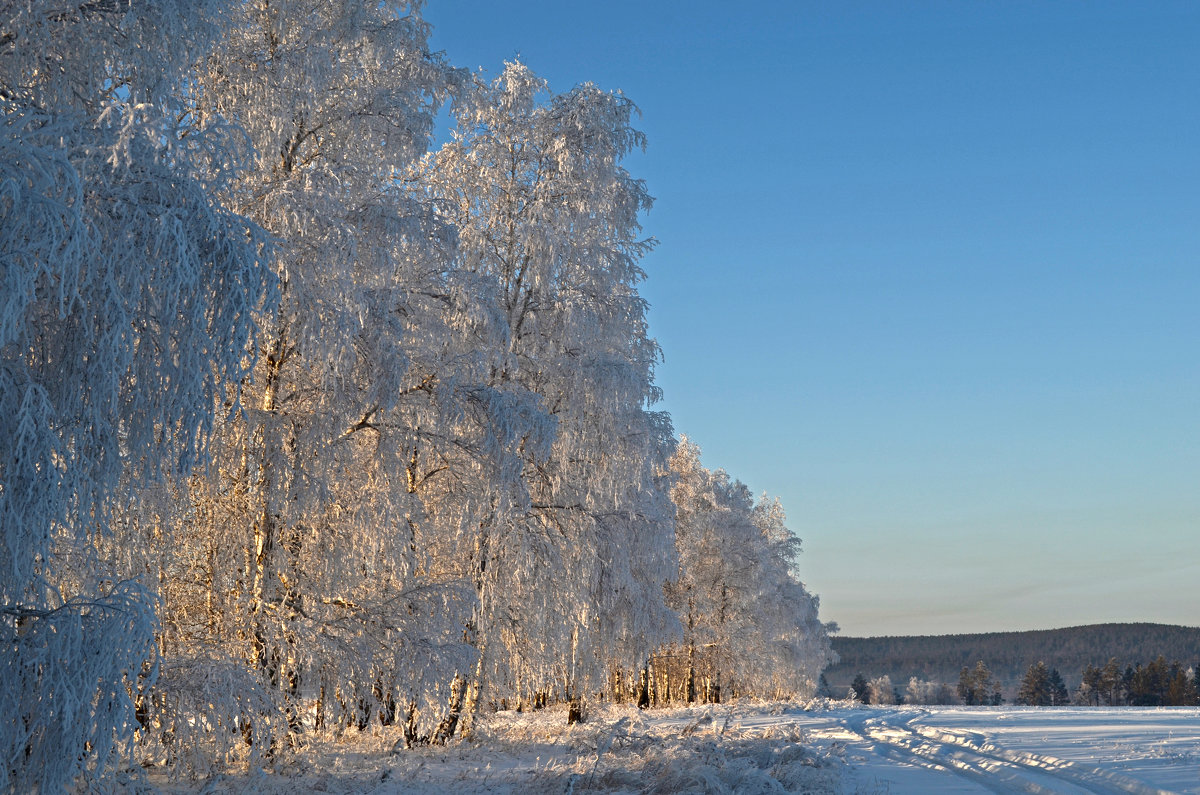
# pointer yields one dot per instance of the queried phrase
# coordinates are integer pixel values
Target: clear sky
(928, 272)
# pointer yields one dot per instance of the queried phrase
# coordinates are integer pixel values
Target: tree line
(1009, 654)
(1154, 684)
(304, 427)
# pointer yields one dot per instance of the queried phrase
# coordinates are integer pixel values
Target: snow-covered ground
(772, 748)
(1015, 749)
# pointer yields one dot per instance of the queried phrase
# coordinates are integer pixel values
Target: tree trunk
(474, 695)
(691, 672)
(267, 592)
(449, 724)
(410, 727)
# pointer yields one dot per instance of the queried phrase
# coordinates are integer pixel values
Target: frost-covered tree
(880, 690)
(749, 624)
(127, 296)
(568, 569)
(790, 629)
(921, 691)
(304, 547)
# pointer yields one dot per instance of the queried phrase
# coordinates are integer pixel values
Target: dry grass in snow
(616, 750)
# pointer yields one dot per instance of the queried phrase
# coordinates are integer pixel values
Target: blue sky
(927, 272)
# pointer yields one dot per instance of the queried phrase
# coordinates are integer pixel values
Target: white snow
(834, 748)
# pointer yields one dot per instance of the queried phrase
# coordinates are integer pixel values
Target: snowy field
(772, 748)
(1013, 749)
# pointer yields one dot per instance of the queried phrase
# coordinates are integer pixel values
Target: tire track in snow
(899, 744)
(971, 755)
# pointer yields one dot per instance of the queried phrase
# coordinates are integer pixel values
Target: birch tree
(789, 631)
(303, 542)
(127, 296)
(750, 626)
(569, 577)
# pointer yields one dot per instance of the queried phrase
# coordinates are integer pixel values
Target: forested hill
(1008, 654)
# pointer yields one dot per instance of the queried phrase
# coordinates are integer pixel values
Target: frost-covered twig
(602, 748)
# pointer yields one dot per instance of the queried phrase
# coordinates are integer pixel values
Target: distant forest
(941, 658)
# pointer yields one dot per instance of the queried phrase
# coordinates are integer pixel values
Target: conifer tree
(1181, 689)
(1059, 696)
(861, 688)
(1112, 683)
(978, 687)
(1035, 686)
